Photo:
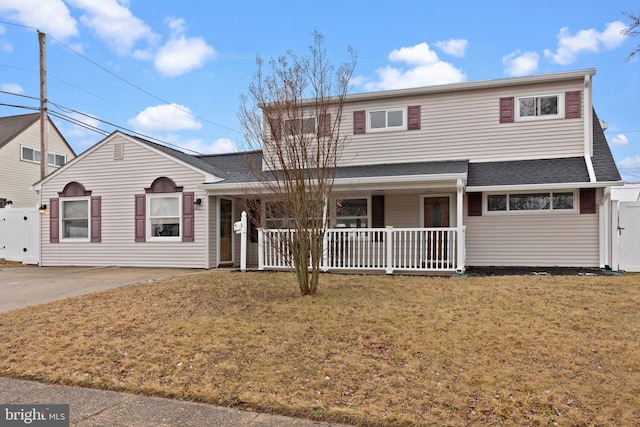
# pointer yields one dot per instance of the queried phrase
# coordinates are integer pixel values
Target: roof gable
(12, 126)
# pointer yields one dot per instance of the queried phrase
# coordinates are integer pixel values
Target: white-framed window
(353, 213)
(541, 201)
(33, 155)
(164, 213)
(74, 219)
(275, 217)
(387, 119)
(300, 126)
(550, 106)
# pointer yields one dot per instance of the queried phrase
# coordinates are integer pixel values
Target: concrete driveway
(23, 286)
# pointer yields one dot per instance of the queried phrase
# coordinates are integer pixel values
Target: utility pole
(44, 121)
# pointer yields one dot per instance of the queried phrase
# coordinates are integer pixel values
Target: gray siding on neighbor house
(464, 125)
(117, 182)
(533, 239)
(18, 175)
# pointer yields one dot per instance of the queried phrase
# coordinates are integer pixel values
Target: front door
(436, 215)
(226, 231)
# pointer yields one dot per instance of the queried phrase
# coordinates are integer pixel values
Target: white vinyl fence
(20, 235)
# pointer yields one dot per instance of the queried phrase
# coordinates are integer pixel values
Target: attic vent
(118, 151)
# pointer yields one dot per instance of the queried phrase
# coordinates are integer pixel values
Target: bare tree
(632, 30)
(293, 114)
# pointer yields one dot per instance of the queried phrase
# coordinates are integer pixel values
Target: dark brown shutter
(54, 220)
(140, 217)
(572, 101)
(587, 200)
(325, 124)
(188, 217)
(96, 219)
(507, 110)
(474, 204)
(359, 121)
(276, 129)
(413, 117)
(377, 211)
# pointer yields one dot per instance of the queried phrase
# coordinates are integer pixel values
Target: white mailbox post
(240, 228)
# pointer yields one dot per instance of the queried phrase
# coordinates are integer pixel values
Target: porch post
(243, 242)
(260, 249)
(460, 235)
(389, 240)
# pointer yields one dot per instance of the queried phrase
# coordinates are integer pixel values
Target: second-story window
(33, 155)
(539, 107)
(387, 119)
(301, 126)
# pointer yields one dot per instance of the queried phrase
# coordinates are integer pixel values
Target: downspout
(605, 228)
(588, 128)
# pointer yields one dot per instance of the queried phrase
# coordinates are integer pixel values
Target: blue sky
(175, 70)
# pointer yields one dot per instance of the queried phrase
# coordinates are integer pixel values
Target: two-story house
(20, 157)
(509, 172)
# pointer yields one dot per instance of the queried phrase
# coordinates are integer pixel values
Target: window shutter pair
(188, 217)
(572, 105)
(413, 119)
(96, 219)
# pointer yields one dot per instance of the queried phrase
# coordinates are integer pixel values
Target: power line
(140, 88)
(20, 106)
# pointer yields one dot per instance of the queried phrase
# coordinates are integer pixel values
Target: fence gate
(20, 235)
(628, 232)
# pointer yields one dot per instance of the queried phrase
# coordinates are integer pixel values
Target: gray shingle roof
(603, 163)
(13, 125)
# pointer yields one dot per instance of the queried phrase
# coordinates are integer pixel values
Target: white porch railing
(388, 249)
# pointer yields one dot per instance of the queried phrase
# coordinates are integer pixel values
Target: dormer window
(301, 126)
(387, 119)
(540, 107)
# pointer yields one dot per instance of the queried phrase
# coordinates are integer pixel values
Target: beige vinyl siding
(402, 210)
(536, 239)
(117, 181)
(464, 125)
(17, 176)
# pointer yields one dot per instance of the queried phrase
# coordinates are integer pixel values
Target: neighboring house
(510, 172)
(20, 157)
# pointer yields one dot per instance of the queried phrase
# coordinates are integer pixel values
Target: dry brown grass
(8, 264)
(366, 350)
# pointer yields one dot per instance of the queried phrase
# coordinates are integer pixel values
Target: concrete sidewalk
(88, 407)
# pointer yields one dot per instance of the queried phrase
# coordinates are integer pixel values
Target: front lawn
(368, 350)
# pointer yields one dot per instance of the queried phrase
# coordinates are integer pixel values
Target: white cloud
(569, 46)
(619, 139)
(518, 64)
(50, 16)
(114, 23)
(219, 146)
(5, 46)
(166, 117)
(11, 87)
(453, 47)
(176, 25)
(424, 69)
(630, 162)
(181, 55)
